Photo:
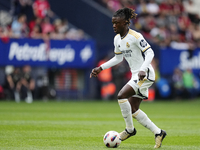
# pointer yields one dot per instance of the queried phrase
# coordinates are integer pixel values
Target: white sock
(143, 119)
(126, 113)
(29, 98)
(17, 96)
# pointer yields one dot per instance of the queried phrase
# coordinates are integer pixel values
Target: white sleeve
(112, 62)
(149, 54)
(142, 44)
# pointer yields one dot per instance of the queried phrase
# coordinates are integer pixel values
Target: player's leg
(144, 120)
(126, 92)
(140, 116)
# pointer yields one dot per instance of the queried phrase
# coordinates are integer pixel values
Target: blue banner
(183, 59)
(55, 53)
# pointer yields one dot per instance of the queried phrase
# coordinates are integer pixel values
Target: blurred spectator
(159, 34)
(60, 30)
(64, 27)
(192, 11)
(183, 24)
(166, 7)
(22, 7)
(33, 22)
(46, 25)
(145, 24)
(173, 32)
(75, 34)
(149, 24)
(177, 83)
(28, 84)
(177, 7)
(188, 83)
(5, 18)
(113, 5)
(36, 33)
(142, 7)
(19, 27)
(107, 87)
(152, 7)
(195, 33)
(128, 3)
(42, 83)
(5, 33)
(161, 20)
(41, 9)
(12, 85)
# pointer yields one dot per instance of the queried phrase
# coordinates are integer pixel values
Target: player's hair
(127, 13)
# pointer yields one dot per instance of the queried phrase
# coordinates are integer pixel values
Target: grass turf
(82, 125)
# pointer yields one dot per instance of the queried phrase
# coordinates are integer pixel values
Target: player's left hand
(141, 75)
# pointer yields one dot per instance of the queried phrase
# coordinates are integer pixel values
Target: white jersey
(132, 46)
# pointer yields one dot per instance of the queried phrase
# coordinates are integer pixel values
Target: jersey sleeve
(142, 43)
(148, 58)
(116, 50)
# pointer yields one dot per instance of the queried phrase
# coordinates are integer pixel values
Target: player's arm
(10, 81)
(148, 53)
(112, 62)
(95, 72)
(116, 59)
(148, 59)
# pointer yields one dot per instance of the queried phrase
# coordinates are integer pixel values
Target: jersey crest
(127, 45)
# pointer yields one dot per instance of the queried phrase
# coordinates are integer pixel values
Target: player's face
(119, 24)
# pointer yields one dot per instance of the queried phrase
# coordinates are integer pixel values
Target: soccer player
(132, 46)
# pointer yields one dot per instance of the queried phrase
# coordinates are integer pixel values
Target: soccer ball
(112, 139)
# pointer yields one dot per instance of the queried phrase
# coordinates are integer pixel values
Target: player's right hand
(141, 75)
(95, 72)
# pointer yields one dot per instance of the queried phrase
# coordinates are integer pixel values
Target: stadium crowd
(172, 23)
(35, 19)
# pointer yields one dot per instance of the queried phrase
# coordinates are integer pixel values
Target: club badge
(127, 45)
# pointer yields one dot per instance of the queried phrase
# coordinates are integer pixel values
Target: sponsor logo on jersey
(143, 43)
(127, 53)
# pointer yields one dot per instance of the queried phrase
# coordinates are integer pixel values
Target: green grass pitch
(81, 125)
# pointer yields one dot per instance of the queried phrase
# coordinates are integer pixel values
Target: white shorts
(140, 87)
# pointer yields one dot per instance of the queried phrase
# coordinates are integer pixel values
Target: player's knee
(134, 109)
(121, 96)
